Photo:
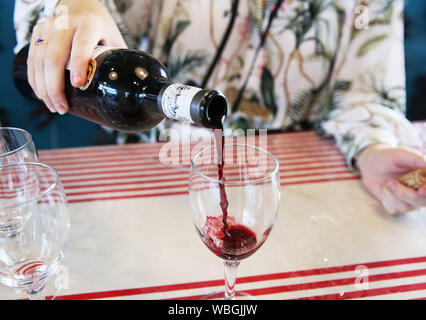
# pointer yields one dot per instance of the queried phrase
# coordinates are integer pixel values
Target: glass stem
(36, 295)
(36, 290)
(231, 271)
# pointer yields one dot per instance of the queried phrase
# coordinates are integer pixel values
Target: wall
(415, 51)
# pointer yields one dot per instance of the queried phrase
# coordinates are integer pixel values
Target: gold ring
(40, 42)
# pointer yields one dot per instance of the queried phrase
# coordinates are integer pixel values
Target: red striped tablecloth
(132, 236)
(134, 171)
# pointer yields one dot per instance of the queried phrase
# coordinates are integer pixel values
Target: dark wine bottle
(131, 91)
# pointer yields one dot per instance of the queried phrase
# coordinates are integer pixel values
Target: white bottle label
(176, 101)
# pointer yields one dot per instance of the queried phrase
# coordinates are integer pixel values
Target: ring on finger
(40, 42)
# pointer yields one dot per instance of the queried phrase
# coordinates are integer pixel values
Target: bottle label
(176, 101)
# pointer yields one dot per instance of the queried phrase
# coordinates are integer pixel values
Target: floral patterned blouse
(335, 66)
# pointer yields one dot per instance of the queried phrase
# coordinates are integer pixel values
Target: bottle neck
(206, 108)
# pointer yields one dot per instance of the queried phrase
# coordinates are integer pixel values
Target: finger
(410, 159)
(112, 38)
(117, 41)
(406, 194)
(56, 57)
(39, 56)
(83, 45)
(422, 191)
(392, 204)
(30, 61)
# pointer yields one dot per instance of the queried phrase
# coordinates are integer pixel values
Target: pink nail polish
(61, 109)
(76, 77)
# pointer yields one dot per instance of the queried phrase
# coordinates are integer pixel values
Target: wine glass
(16, 146)
(34, 223)
(234, 210)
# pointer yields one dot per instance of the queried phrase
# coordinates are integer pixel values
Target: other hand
(381, 166)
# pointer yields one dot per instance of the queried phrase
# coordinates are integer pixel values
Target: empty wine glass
(16, 146)
(234, 211)
(34, 225)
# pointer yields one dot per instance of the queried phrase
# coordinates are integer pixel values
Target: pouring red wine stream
(235, 236)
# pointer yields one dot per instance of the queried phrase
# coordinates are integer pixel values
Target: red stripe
(112, 147)
(170, 169)
(184, 169)
(184, 185)
(32, 266)
(320, 180)
(184, 178)
(324, 284)
(155, 147)
(28, 265)
(369, 293)
(98, 185)
(329, 270)
(157, 174)
(146, 155)
(156, 164)
(137, 291)
(186, 192)
(129, 197)
(249, 279)
(146, 175)
(155, 171)
(337, 282)
(73, 194)
(304, 136)
(99, 164)
(140, 161)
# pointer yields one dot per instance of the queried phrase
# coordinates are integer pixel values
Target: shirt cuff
(353, 143)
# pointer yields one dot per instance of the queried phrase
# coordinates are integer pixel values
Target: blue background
(69, 131)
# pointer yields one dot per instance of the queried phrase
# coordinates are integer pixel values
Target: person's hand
(381, 166)
(88, 24)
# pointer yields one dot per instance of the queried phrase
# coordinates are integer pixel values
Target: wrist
(363, 155)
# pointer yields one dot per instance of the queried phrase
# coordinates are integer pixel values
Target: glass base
(220, 295)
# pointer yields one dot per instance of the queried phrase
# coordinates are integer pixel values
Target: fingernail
(51, 107)
(61, 109)
(391, 185)
(76, 78)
